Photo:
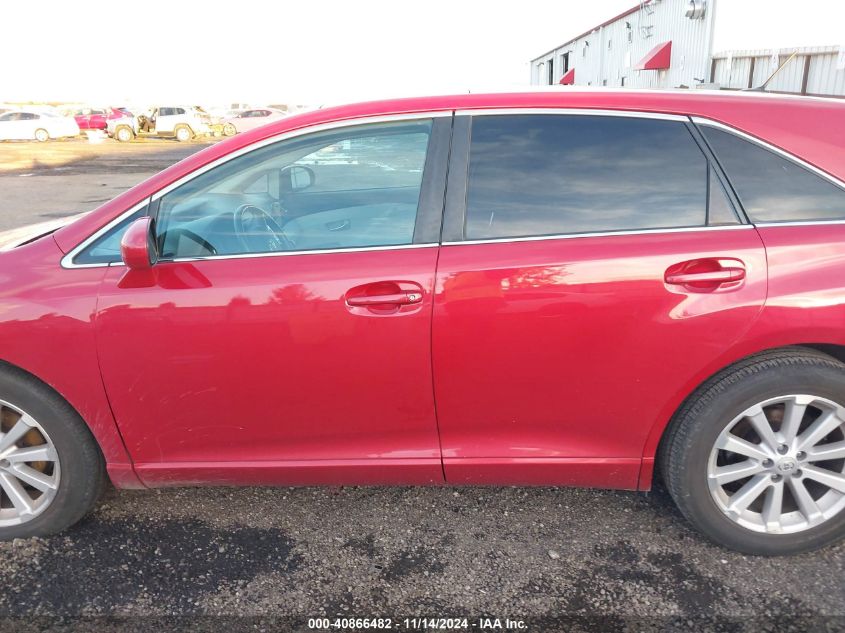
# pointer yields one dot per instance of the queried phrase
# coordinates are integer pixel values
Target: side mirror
(297, 178)
(138, 246)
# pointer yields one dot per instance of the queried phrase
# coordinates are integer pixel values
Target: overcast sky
(325, 51)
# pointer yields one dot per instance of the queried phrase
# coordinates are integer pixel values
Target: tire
(183, 133)
(229, 130)
(78, 472)
(695, 468)
(124, 134)
(42, 135)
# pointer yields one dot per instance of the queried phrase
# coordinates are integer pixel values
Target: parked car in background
(552, 288)
(246, 120)
(123, 127)
(180, 122)
(91, 118)
(40, 126)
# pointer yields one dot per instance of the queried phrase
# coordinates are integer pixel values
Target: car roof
(809, 128)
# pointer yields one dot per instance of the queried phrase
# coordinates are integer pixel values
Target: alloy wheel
(779, 466)
(29, 467)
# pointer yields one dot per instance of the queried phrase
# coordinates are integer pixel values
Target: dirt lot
(45, 181)
(268, 559)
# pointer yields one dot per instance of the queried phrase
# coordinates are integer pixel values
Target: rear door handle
(725, 275)
(706, 274)
(398, 299)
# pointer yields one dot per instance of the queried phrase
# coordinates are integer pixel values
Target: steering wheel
(258, 232)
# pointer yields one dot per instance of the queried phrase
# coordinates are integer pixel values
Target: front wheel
(124, 134)
(229, 130)
(184, 134)
(42, 135)
(51, 469)
(756, 458)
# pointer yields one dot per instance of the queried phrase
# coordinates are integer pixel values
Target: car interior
(327, 192)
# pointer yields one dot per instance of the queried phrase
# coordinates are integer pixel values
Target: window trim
(152, 200)
(569, 236)
(703, 121)
(458, 183)
(714, 167)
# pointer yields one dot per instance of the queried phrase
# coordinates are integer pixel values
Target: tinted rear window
(533, 175)
(772, 188)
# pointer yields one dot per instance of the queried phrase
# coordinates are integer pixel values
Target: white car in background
(250, 119)
(26, 125)
(123, 128)
(180, 122)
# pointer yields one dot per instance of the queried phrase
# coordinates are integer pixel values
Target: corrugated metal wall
(813, 70)
(608, 54)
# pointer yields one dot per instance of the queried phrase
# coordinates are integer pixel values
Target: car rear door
(307, 364)
(592, 265)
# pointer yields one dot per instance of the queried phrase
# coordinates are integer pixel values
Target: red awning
(657, 58)
(568, 79)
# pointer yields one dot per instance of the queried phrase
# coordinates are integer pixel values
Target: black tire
(83, 473)
(686, 447)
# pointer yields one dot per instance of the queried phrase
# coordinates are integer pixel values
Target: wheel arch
(660, 429)
(186, 126)
(106, 436)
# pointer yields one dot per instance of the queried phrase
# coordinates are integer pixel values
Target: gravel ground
(259, 559)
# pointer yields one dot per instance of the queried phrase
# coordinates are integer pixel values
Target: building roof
(633, 9)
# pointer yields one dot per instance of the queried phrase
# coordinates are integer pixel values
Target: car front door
(165, 120)
(82, 118)
(592, 267)
(269, 348)
(248, 120)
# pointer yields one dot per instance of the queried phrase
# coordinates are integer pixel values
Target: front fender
(46, 330)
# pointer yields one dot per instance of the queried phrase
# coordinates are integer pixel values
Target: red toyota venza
(558, 288)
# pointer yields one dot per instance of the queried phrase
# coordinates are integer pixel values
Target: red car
(559, 288)
(97, 118)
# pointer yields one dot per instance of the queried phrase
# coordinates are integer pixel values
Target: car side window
(351, 188)
(106, 248)
(548, 174)
(772, 188)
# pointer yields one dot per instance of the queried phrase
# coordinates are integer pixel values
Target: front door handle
(397, 299)
(707, 274)
(384, 298)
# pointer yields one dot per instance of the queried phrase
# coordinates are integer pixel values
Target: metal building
(669, 44)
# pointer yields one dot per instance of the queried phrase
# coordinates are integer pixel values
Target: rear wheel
(42, 135)
(756, 458)
(51, 470)
(183, 133)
